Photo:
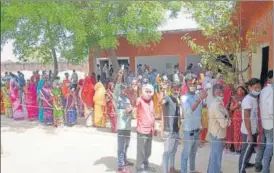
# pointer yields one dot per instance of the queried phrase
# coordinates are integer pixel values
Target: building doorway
(265, 61)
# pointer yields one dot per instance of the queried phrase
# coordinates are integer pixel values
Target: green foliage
(75, 29)
(224, 37)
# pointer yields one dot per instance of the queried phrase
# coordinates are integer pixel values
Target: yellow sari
(99, 105)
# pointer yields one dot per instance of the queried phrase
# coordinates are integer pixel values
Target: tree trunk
(55, 63)
(114, 62)
(94, 53)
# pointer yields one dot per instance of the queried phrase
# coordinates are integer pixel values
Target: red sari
(236, 124)
(111, 113)
(31, 101)
(87, 94)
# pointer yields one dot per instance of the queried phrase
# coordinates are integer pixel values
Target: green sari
(58, 109)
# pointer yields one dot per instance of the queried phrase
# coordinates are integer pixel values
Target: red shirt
(145, 116)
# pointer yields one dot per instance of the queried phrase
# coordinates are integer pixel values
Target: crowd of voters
(193, 108)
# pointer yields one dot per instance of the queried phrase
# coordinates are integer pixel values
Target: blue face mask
(255, 93)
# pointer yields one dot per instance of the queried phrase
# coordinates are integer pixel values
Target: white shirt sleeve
(269, 102)
(247, 103)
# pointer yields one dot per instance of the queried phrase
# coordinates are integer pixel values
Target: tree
(42, 30)
(137, 22)
(37, 30)
(220, 25)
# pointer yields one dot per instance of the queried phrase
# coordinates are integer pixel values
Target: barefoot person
(124, 116)
(145, 128)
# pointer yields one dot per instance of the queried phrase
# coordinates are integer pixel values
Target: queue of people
(193, 108)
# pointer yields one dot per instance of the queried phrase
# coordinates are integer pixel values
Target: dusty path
(33, 148)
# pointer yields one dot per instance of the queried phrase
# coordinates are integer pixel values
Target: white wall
(194, 59)
(257, 61)
(161, 63)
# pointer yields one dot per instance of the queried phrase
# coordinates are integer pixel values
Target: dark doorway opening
(265, 61)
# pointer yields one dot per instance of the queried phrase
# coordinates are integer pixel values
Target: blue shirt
(192, 119)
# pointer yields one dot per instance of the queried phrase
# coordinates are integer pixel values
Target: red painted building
(256, 16)
(170, 48)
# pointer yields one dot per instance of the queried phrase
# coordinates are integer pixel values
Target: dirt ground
(29, 147)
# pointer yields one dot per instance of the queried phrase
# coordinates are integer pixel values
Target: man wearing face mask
(218, 123)
(250, 126)
(171, 113)
(192, 111)
(145, 128)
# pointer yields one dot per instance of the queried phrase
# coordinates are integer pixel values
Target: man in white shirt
(250, 125)
(266, 108)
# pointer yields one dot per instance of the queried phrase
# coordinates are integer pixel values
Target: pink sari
(17, 108)
(31, 101)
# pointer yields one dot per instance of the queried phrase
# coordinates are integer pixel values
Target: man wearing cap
(171, 115)
(192, 111)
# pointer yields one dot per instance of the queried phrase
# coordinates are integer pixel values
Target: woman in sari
(17, 108)
(111, 113)
(87, 98)
(70, 109)
(99, 105)
(2, 103)
(6, 97)
(236, 112)
(41, 109)
(58, 109)
(157, 107)
(31, 100)
(45, 96)
(80, 103)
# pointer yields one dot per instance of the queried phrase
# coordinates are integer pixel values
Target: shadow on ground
(111, 164)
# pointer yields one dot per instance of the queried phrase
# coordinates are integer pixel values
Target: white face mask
(192, 89)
